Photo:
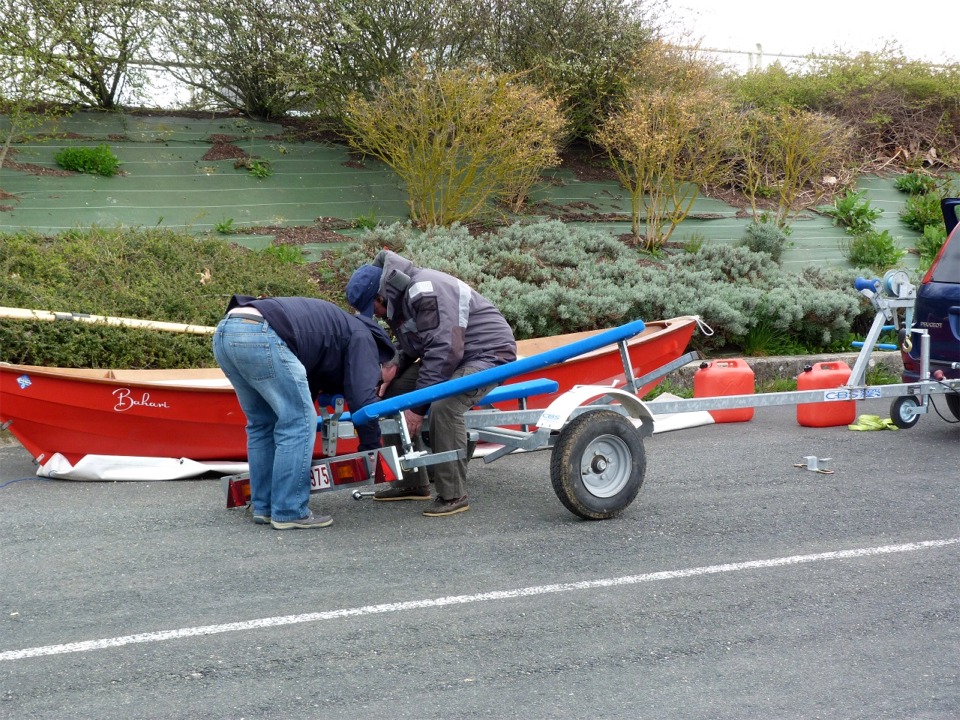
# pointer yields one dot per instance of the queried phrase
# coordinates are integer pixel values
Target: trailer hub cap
(606, 466)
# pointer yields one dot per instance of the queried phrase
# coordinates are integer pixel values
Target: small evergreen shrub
(764, 236)
(98, 160)
(549, 278)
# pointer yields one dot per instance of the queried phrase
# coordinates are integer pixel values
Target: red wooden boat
(194, 414)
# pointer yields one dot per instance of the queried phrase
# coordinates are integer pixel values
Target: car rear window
(948, 268)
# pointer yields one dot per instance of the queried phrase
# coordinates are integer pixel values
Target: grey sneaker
(403, 493)
(310, 521)
(261, 519)
(441, 507)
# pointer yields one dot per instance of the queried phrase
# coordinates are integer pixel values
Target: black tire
(953, 402)
(597, 465)
(898, 414)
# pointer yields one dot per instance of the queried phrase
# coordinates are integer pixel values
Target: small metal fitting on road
(815, 464)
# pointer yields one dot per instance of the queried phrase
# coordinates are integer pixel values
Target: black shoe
(441, 507)
(403, 493)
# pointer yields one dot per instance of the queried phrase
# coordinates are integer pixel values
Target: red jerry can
(725, 377)
(824, 376)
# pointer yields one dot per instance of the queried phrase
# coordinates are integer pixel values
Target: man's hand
(387, 374)
(414, 422)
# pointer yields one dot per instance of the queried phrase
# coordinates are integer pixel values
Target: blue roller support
(497, 374)
(862, 283)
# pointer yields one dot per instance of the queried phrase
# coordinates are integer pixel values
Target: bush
(895, 107)
(763, 235)
(145, 274)
(785, 155)
(550, 278)
(458, 138)
(98, 160)
(664, 146)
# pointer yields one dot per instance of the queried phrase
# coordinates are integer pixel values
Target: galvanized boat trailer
(595, 433)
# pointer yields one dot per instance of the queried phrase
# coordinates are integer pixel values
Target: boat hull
(195, 413)
(660, 343)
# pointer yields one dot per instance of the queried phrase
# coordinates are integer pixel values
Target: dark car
(937, 310)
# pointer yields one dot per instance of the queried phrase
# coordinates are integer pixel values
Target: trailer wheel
(901, 412)
(597, 465)
(953, 402)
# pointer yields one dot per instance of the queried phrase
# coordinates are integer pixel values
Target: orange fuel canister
(824, 376)
(725, 377)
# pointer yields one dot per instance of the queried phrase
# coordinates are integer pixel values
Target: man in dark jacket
(445, 329)
(279, 354)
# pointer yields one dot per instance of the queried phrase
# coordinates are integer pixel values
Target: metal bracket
(812, 463)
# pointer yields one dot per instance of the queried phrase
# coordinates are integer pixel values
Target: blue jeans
(271, 385)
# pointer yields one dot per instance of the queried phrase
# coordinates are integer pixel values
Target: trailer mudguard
(559, 412)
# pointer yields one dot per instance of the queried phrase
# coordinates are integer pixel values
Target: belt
(247, 316)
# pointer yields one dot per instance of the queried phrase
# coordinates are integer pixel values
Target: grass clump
(922, 210)
(853, 213)
(98, 160)
(146, 274)
(874, 249)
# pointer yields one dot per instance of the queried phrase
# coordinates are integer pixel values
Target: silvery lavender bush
(550, 278)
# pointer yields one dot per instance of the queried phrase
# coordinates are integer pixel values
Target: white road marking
(162, 636)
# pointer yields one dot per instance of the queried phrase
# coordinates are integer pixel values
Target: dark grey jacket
(441, 321)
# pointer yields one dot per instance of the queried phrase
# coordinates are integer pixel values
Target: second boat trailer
(595, 433)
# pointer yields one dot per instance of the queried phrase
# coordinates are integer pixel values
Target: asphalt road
(735, 586)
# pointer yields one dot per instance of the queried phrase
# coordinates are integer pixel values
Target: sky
(927, 32)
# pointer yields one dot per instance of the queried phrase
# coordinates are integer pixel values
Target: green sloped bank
(166, 182)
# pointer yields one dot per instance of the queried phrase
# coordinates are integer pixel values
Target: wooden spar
(46, 315)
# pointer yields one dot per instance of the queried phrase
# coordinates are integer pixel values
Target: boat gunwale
(213, 379)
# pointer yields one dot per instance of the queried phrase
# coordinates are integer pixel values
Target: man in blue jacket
(279, 354)
(445, 329)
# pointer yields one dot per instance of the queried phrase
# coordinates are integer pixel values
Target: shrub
(664, 146)
(581, 52)
(876, 250)
(457, 138)
(895, 107)
(763, 235)
(98, 160)
(789, 151)
(550, 278)
(146, 274)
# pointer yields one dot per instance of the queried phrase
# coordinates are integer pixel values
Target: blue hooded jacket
(341, 352)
